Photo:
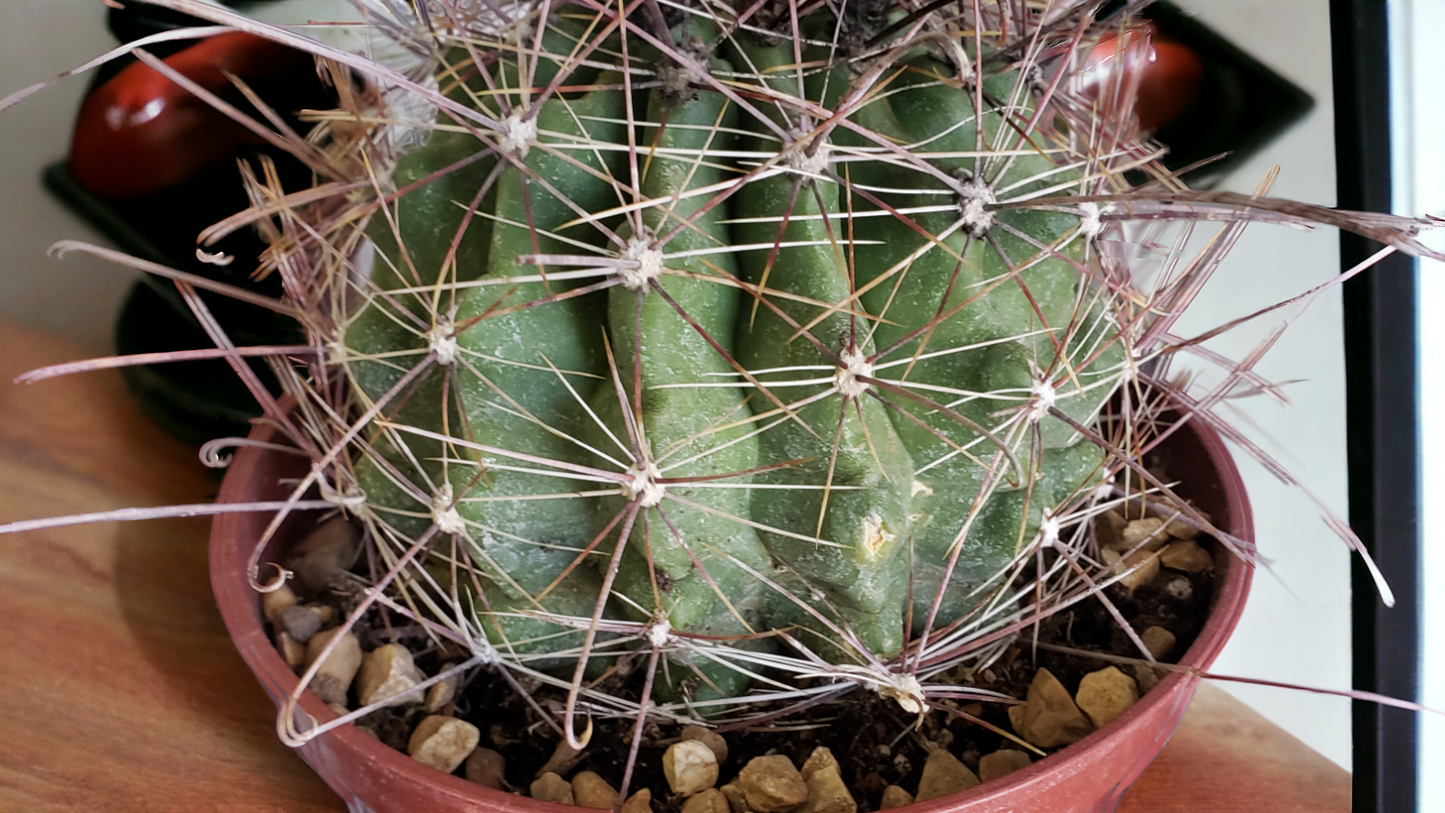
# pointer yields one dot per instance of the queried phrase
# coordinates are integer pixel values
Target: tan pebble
(340, 709)
(274, 603)
(944, 774)
(894, 796)
(1186, 555)
(591, 790)
(330, 549)
(1141, 566)
(291, 651)
(1105, 694)
(1050, 718)
(822, 757)
(323, 611)
(710, 738)
(388, 676)
(1159, 641)
(1016, 718)
(340, 667)
(440, 693)
(1002, 762)
(826, 791)
(690, 766)
(443, 742)
(1181, 529)
(1148, 531)
(550, 787)
(737, 800)
(709, 800)
(1147, 677)
(639, 802)
(563, 758)
(772, 785)
(487, 768)
(1110, 529)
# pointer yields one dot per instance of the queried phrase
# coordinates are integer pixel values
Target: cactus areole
(733, 337)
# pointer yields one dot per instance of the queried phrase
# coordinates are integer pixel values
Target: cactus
(732, 344)
(754, 342)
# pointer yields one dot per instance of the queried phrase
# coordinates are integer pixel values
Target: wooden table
(119, 689)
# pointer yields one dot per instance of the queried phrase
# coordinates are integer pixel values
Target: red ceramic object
(1087, 777)
(141, 132)
(1168, 73)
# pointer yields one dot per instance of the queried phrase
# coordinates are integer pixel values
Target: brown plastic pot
(1089, 776)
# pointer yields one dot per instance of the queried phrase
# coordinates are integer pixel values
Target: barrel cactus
(732, 332)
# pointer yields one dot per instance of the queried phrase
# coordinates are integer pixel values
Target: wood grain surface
(119, 689)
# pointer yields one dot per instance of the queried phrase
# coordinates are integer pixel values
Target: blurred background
(1297, 627)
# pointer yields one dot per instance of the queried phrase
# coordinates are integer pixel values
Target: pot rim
(228, 580)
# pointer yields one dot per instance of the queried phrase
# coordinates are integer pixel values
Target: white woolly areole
(855, 365)
(875, 537)
(1044, 397)
(650, 262)
(1091, 222)
(517, 134)
(1050, 529)
(443, 515)
(974, 198)
(660, 633)
(906, 690)
(642, 487)
(816, 164)
(442, 340)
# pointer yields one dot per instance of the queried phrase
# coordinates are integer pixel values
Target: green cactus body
(810, 410)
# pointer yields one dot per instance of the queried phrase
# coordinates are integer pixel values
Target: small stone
(894, 796)
(1050, 718)
(1181, 529)
(550, 787)
(1159, 641)
(387, 676)
(330, 549)
(1001, 763)
(340, 709)
(1105, 694)
(563, 758)
(709, 800)
(944, 774)
(1016, 718)
(822, 757)
(334, 677)
(300, 622)
(826, 791)
(440, 693)
(690, 766)
(772, 785)
(1179, 589)
(591, 790)
(1186, 555)
(323, 611)
(737, 800)
(1109, 529)
(443, 742)
(1147, 677)
(487, 768)
(274, 603)
(710, 738)
(1147, 567)
(292, 652)
(639, 802)
(1148, 531)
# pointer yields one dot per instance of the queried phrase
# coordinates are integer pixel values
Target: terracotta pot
(1090, 775)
